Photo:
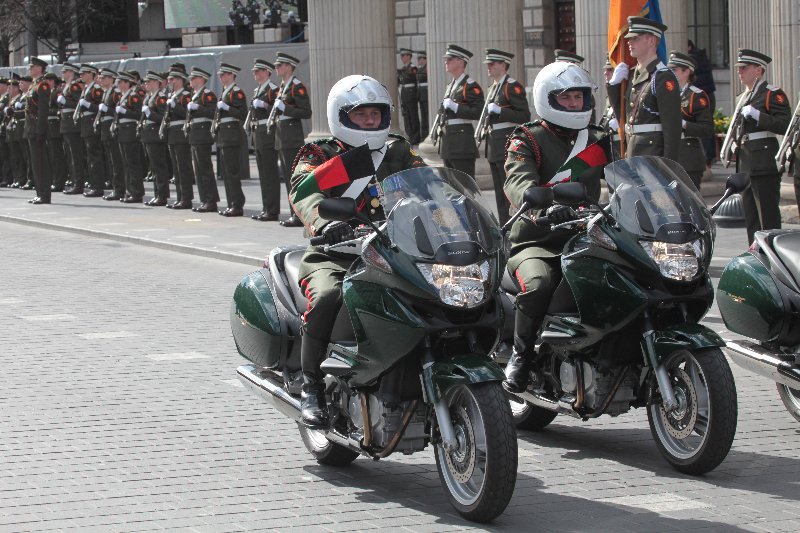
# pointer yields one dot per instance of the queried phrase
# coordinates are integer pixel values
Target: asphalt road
(120, 409)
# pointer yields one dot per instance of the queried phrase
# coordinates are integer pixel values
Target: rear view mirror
(538, 197)
(571, 193)
(737, 182)
(338, 209)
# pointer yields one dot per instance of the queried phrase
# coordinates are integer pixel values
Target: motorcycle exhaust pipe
(269, 387)
(764, 362)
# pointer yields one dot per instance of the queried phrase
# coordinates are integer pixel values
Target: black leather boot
(518, 374)
(313, 409)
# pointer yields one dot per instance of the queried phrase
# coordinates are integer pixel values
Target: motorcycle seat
(291, 264)
(787, 248)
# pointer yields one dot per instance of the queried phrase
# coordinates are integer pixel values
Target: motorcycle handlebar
(316, 241)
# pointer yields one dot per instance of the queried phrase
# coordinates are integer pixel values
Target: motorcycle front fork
(662, 376)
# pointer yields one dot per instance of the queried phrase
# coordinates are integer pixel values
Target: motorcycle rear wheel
(791, 399)
(529, 417)
(480, 474)
(697, 436)
(324, 451)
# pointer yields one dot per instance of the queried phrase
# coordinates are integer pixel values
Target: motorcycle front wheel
(791, 399)
(480, 473)
(697, 436)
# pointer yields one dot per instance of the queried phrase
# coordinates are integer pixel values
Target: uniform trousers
(94, 158)
(467, 166)
(116, 166)
(267, 162)
(288, 155)
(760, 202)
(423, 117)
(158, 157)
(181, 156)
(76, 157)
(204, 173)
(5, 164)
(411, 123)
(228, 159)
(58, 161)
(498, 179)
(40, 166)
(538, 278)
(134, 169)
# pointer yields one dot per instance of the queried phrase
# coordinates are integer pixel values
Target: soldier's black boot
(313, 409)
(518, 374)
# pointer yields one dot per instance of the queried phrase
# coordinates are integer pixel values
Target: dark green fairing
(749, 300)
(690, 337)
(259, 335)
(443, 375)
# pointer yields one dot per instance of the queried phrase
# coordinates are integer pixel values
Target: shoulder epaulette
(695, 89)
(296, 81)
(773, 87)
(511, 80)
(396, 137)
(470, 81)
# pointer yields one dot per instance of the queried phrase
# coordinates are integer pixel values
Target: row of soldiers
(98, 119)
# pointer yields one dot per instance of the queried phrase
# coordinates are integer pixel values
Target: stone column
(674, 14)
(783, 71)
(591, 32)
(348, 37)
(750, 27)
(474, 25)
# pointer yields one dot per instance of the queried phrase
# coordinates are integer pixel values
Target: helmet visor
(363, 117)
(567, 99)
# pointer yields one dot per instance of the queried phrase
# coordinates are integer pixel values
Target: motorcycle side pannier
(754, 305)
(254, 321)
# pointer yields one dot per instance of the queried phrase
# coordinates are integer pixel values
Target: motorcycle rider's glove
(336, 232)
(559, 214)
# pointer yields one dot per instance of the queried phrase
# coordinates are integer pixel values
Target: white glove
(120, 110)
(85, 103)
(752, 112)
(103, 108)
(61, 100)
(191, 106)
(146, 110)
(613, 124)
(171, 103)
(620, 73)
(18, 105)
(222, 105)
(259, 104)
(448, 103)
(280, 105)
(683, 124)
(493, 108)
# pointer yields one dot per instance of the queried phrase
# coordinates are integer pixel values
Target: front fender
(682, 337)
(439, 377)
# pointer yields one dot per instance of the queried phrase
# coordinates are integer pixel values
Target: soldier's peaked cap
(643, 25)
(26, 78)
(4, 81)
(679, 59)
(569, 57)
(108, 72)
(126, 76)
(263, 64)
(405, 51)
(746, 56)
(178, 66)
(14, 76)
(422, 53)
(90, 68)
(52, 76)
(493, 54)
(453, 50)
(197, 72)
(70, 66)
(175, 72)
(230, 69)
(152, 75)
(282, 57)
(36, 61)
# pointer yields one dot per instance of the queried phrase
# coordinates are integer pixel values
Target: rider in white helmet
(359, 117)
(563, 98)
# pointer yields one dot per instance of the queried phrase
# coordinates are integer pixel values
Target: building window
(565, 25)
(708, 29)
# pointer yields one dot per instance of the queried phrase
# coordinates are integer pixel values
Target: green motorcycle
(622, 327)
(409, 361)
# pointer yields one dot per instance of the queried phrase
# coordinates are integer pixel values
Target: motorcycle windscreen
(653, 197)
(435, 213)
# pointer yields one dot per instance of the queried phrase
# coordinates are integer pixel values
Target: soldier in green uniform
(68, 97)
(407, 88)
(5, 158)
(608, 122)
(24, 131)
(697, 121)
(652, 103)
(129, 111)
(55, 143)
(562, 96)
(37, 112)
(264, 141)
(179, 151)
(292, 105)
(199, 111)
(88, 107)
(14, 131)
(153, 108)
(461, 105)
(111, 150)
(359, 116)
(764, 114)
(422, 93)
(506, 108)
(229, 119)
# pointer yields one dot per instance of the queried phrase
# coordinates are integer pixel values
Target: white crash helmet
(349, 93)
(553, 80)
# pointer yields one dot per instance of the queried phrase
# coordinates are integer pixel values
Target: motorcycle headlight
(459, 286)
(676, 261)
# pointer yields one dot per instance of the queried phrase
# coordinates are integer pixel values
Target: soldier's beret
(746, 57)
(263, 64)
(454, 50)
(282, 57)
(679, 59)
(569, 57)
(230, 69)
(493, 54)
(39, 62)
(643, 25)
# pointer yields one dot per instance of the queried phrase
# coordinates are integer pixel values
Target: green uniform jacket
(127, 122)
(422, 83)
(399, 156)
(3, 117)
(509, 94)
(535, 153)
(289, 131)
(200, 132)
(653, 97)
(231, 121)
(267, 93)
(110, 100)
(157, 104)
(757, 156)
(696, 111)
(72, 93)
(177, 116)
(407, 82)
(458, 140)
(94, 94)
(37, 109)
(53, 120)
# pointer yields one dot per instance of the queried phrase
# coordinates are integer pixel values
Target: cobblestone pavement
(121, 411)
